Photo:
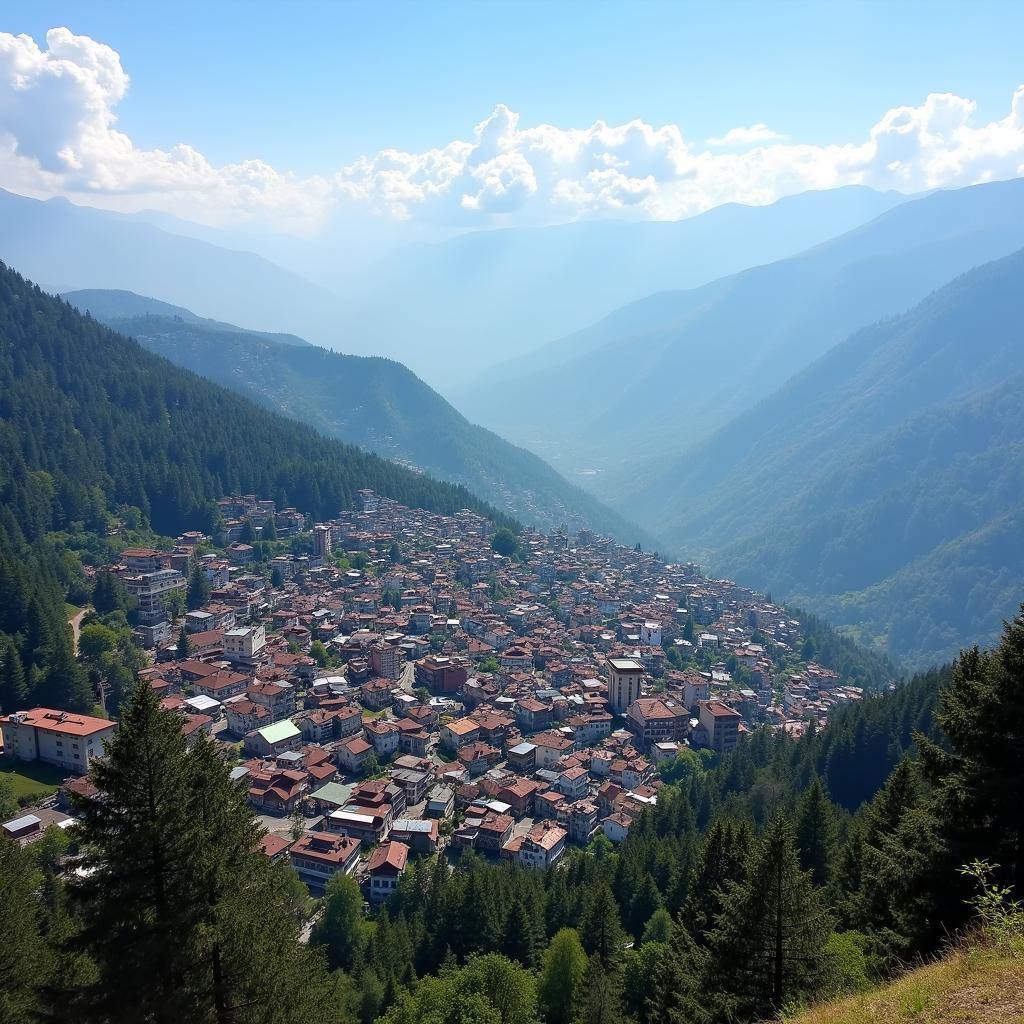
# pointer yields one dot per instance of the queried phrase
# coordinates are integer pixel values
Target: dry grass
(970, 986)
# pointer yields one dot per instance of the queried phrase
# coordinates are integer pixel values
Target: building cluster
(442, 696)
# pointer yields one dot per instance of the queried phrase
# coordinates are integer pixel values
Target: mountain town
(462, 688)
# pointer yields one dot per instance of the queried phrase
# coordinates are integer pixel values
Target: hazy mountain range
(648, 382)
(375, 403)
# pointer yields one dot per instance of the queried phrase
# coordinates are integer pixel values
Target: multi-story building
(245, 645)
(387, 660)
(657, 720)
(721, 723)
(151, 591)
(55, 737)
(542, 846)
(624, 678)
(440, 674)
(384, 869)
(318, 856)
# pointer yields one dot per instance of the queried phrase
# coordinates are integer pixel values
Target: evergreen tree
(722, 860)
(184, 644)
(560, 987)
(980, 780)
(767, 946)
(816, 833)
(198, 591)
(13, 684)
(25, 960)
(603, 937)
(341, 930)
(602, 994)
(181, 912)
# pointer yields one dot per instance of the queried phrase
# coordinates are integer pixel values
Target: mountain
(883, 486)
(66, 246)
(451, 309)
(88, 417)
(374, 403)
(653, 379)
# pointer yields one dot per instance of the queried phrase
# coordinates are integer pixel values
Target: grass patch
(31, 780)
(71, 610)
(970, 986)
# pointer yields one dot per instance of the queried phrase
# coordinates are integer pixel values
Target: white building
(56, 737)
(624, 678)
(244, 645)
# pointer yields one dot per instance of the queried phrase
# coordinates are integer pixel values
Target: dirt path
(76, 625)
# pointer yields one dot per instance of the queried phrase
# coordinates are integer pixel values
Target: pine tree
(816, 833)
(603, 937)
(137, 898)
(979, 782)
(181, 912)
(198, 591)
(25, 961)
(341, 930)
(13, 684)
(767, 946)
(722, 860)
(184, 645)
(602, 994)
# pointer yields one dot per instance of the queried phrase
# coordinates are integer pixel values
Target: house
(376, 695)
(277, 697)
(386, 866)
(366, 824)
(493, 831)
(574, 782)
(440, 802)
(721, 723)
(616, 826)
(243, 716)
(460, 732)
(519, 795)
(478, 757)
(413, 783)
(318, 856)
(420, 836)
(271, 740)
(29, 827)
(59, 738)
(274, 847)
(317, 726)
(551, 746)
(352, 754)
(522, 758)
(331, 796)
(277, 791)
(245, 645)
(384, 736)
(222, 685)
(542, 846)
(583, 822)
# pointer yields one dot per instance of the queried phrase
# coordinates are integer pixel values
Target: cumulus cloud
(59, 136)
(748, 136)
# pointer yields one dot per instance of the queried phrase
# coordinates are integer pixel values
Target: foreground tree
(183, 916)
(24, 958)
(768, 945)
(560, 987)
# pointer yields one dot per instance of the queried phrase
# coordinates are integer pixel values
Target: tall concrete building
(624, 677)
(322, 542)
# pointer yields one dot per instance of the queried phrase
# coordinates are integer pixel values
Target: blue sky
(309, 87)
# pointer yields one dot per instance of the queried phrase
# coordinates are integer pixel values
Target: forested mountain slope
(884, 485)
(657, 377)
(375, 403)
(90, 422)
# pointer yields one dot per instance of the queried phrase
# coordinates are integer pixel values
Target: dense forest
(92, 425)
(752, 887)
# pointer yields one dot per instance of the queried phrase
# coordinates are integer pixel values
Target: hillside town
(400, 683)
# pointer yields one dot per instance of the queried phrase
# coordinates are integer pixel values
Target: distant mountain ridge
(884, 485)
(375, 403)
(450, 309)
(650, 381)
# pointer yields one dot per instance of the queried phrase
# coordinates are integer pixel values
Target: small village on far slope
(399, 683)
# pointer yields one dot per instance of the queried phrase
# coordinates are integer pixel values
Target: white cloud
(58, 136)
(749, 136)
